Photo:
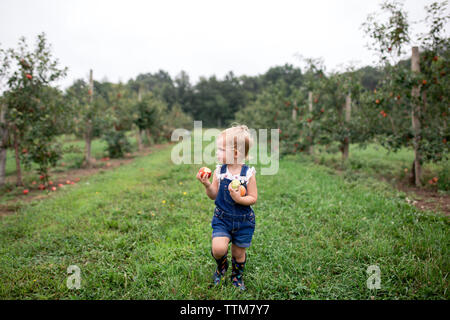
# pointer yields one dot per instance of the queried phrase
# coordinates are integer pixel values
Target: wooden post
(348, 110)
(139, 133)
(310, 108)
(415, 111)
(19, 181)
(3, 142)
(294, 111)
(88, 133)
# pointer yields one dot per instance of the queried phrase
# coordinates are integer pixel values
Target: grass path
(143, 231)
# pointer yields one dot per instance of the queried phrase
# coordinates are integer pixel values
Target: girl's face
(223, 154)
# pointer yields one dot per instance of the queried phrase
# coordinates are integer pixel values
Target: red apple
(25, 191)
(29, 76)
(53, 188)
(205, 171)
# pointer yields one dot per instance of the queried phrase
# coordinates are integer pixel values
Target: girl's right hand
(204, 180)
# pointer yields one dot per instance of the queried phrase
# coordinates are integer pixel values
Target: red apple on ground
(25, 191)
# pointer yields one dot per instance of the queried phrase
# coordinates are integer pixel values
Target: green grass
(375, 161)
(71, 159)
(316, 234)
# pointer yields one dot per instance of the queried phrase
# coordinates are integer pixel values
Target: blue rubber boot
(236, 273)
(222, 267)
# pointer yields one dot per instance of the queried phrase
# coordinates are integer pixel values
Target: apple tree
(30, 109)
(410, 107)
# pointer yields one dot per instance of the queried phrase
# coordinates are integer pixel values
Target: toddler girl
(234, 218)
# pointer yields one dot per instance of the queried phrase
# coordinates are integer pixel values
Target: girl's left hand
(235, 194)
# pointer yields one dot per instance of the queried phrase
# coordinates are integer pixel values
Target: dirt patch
(425, 199)
(72, 176)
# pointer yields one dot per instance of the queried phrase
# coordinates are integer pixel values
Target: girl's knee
(219, 248)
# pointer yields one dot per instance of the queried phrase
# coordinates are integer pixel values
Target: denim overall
(232, 220)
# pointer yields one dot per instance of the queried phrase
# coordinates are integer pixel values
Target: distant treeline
(215, 101)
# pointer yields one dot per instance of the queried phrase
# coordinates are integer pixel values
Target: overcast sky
(120, 39)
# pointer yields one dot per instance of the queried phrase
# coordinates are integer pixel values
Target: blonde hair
(241, 137)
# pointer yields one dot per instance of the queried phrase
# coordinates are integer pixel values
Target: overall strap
(223, 169)
(244, 170)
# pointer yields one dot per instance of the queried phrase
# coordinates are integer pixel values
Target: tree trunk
(88, 133)
(88, 141)
(3, 144)
(19, 181)
(415, 111)
(346, 143)
(139, 139)
(149, 137)
(310, 108)
(294, 111)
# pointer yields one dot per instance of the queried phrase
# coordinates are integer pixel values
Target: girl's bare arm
(252, 193)
(211, 187)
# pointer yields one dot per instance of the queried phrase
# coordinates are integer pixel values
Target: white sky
(120, 39)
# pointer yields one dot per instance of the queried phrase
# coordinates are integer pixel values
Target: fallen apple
(25, 191)
(205, 171)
